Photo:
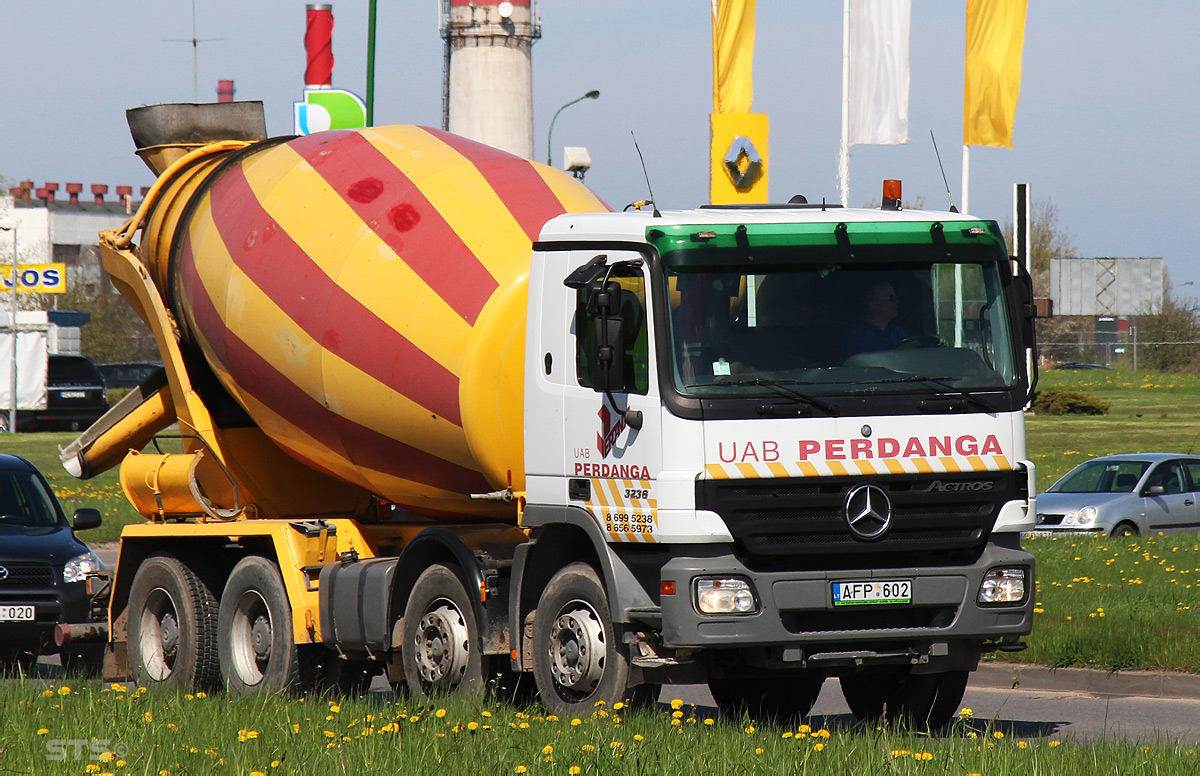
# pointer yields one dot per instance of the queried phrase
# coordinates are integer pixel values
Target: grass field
(1150, 413)
(99, 728)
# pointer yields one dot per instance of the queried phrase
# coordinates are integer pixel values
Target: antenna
(195, 53)
(949, 196)
(643, 161)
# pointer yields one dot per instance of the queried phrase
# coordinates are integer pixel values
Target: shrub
(1068, 403)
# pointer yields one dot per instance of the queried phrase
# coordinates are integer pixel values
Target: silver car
(1122, 495)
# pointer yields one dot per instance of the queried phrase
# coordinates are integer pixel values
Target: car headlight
(725, 595)
(1085, 516)
(1003, 586)
(77, 569)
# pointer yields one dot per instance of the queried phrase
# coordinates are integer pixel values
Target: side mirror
(1155, 490)
(608, 363)
(86, 517)
(1026, 306)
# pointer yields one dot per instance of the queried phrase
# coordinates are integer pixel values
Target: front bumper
(65, 602)
(798, 621)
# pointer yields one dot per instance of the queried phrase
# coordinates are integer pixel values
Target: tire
(441, 649)
(18, 663)
(578, 659)
(255, 644)
(920, 701)
(1124, 528)
(778, 700)
(172, 626)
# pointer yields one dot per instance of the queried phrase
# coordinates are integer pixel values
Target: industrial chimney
(488, 71)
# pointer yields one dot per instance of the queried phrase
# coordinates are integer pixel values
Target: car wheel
(172, 627)
(1125, 528)
(441, 650)
(255, 644)
(578, 660)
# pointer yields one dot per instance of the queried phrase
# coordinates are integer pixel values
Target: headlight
(723, 595)
(78, 568)
(1003, 586)
(1085, 516)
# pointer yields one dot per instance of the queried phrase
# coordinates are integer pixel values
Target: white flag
(878, 80)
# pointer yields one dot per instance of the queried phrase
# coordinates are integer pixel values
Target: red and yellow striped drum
(362, 294)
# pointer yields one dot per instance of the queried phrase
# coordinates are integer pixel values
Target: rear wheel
(257, 650)
(924, 701)
(780, 700)
(441, 649)
(578, 660)
(172, 626)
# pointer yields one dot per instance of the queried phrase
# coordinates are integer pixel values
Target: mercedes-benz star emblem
(3, 572)
(868, 511)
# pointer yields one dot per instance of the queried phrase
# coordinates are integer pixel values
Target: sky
(1106, 126)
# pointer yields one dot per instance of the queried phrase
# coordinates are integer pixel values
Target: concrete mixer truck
(441, 415)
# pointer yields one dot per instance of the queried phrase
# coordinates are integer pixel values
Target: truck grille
(947, 515)
(25, 575)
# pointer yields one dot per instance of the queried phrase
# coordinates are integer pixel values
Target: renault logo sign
(868, 511)
(742, 162)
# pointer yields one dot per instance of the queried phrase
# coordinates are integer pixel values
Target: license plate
(1042, 533)
(10, 613)
(895, 591)
(73, 394)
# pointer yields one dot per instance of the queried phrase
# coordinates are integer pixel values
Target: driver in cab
(876, 329)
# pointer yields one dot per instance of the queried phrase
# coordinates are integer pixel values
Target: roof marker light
(891, 195)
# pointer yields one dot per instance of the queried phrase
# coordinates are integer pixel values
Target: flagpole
(844, 154)
(966, 179)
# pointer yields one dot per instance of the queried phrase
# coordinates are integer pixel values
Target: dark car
(44, 569)
(127, 374)
(75, 396)
(1080, 365)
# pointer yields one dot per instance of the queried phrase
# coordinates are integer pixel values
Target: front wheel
(577, 658)
(924, 701)
(441, 649)
(172, 626)
(781, 700)
(256, 647)
(1125, 528)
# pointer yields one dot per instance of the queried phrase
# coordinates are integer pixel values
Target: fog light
(1003, 586)
(725, 596)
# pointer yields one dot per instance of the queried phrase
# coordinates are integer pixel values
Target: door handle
(1187, 502)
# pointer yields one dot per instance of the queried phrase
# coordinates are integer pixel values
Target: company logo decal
(3, 572)
(868, 511)
(609, 431)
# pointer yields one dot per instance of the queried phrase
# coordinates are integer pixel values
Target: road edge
(1147, 684)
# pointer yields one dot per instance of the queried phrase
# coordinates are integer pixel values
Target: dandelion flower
(440, 713)
(998, 734)
(521, 769)
(574, 769)
(818, 746)
(576, 722)
(43, 731)
(548, 749)
(64, 690)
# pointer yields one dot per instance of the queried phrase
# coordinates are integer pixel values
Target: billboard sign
(36, 278)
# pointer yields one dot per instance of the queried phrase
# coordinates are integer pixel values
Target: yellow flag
(733, 55)
(995, 40)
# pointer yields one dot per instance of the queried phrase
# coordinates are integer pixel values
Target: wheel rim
(577, 648)
(251, 637)
(158, 635)
(443, 645)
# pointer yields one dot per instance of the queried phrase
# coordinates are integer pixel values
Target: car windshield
(1102, 477)
(893, 317)
(24, 500)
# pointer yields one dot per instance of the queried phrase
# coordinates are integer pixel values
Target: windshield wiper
(783, 388)
(938, 381)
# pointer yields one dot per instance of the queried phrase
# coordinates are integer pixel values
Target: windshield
(1102, 477)
(890, 318)
(24, 500)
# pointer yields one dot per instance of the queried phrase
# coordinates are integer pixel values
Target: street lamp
(12, 404)
(592, 95)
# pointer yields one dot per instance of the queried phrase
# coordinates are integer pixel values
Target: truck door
(613, 438)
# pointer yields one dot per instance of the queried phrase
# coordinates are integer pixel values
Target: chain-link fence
(1127, 352)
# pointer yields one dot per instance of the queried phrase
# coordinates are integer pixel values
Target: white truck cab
(798, 433)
